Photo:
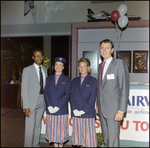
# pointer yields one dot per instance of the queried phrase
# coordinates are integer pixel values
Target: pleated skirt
(84, 132)
(57, 129)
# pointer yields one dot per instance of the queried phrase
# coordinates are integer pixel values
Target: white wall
(132, 39)
(55, 17)
(12, 12)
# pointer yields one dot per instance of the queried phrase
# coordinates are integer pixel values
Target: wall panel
(131, 39)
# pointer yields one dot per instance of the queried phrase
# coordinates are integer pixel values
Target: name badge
(110, 76)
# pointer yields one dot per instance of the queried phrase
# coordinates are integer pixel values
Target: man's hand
(119, 116)
(27, 112)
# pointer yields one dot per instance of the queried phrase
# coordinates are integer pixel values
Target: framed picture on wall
(92, 56)
(140, 61)
(126, 56)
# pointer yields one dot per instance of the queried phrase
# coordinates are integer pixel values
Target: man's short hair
(36, 49)
(107, 41)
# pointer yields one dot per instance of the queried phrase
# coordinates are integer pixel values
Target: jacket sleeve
(24, 88)
(72, 104)
(124, 83)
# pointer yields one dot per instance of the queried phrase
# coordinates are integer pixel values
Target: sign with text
(136, 123)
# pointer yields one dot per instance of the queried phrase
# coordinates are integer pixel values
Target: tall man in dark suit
(33, 83)
(112, 93)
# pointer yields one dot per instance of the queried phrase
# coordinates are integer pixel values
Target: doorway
(61, 47)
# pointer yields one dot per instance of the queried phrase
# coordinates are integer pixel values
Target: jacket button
(57, 98)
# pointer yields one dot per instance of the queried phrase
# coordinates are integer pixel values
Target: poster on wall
(92, 56)
(140, 61)
(126, 56)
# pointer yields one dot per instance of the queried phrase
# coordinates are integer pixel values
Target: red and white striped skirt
(83, 132)
(57, 128)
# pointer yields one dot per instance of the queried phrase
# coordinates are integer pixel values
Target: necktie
(102, 72)
(41, 81)
(82, 78)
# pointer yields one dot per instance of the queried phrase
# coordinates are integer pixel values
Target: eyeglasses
(38, 56)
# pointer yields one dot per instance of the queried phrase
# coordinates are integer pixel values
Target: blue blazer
(57, 95)
(83, 96)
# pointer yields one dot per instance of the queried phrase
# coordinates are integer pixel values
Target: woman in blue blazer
(56, 94)
(82, 100)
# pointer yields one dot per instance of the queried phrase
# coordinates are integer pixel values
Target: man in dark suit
(112, 93)
(33, 83)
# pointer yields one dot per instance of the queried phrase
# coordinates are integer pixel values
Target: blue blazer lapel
(86, 80)
(60, 80)
(78, 82)
(53, 80)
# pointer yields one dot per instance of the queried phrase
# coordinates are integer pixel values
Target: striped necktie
(56, 78)
(82, 79)
(41, 81)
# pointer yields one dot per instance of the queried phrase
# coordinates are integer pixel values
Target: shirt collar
(84, 76)
(37, 66)
(109, 60)
(57, 75)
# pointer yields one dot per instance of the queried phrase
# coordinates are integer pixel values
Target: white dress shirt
(106, 66)
(38, 71)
